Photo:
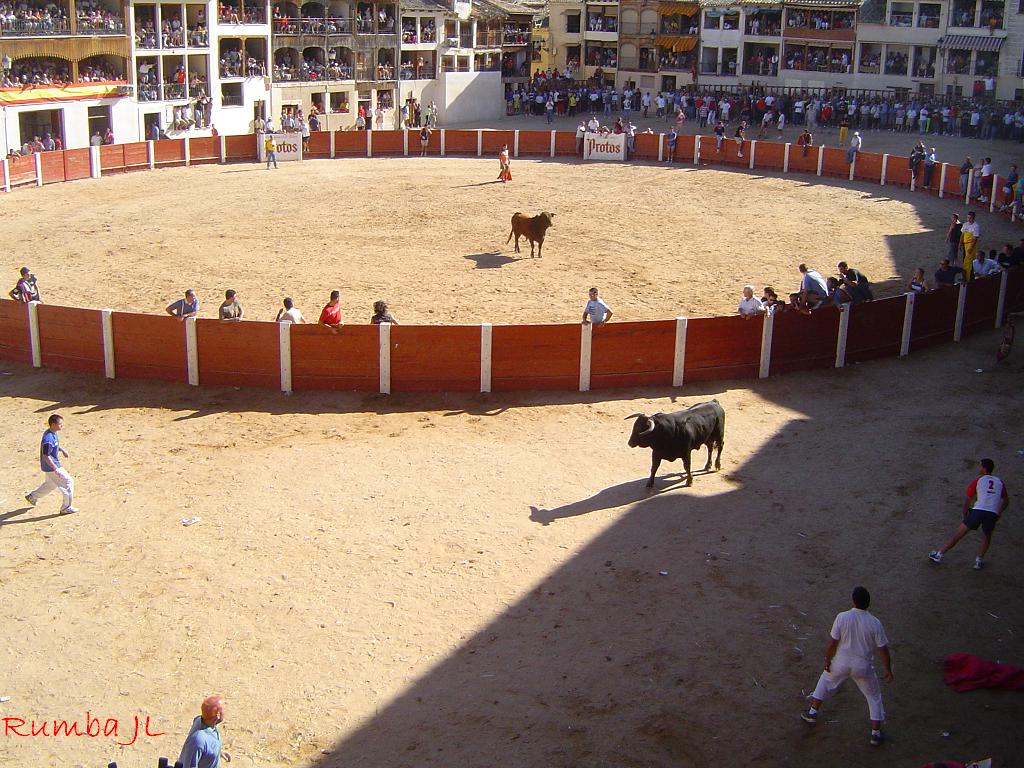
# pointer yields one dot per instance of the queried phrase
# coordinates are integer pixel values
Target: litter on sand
(186, 521)
(4, 699)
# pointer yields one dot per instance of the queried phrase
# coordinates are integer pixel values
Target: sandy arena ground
(477, 580)
(428, 235)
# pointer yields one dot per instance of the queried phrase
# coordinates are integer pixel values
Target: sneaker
(68, 510)
(30, 499)
(935, 557)
(978, 563)
(877, 737)
(808, 717)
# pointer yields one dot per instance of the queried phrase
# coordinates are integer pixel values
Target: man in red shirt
(330, 315)
(986, 500)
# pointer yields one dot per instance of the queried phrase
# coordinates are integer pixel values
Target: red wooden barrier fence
(136, 156)
(868, 166)
(204, 149)
(934, 318)
(149, 347)
(876, 329)
(71, 338)
(14, 339)
(169, 152)
(435, 358)
(346, 360)
(801, 163)
(804, 342)
(350, 143)
(76, 164)
(535, 143)
(723, 348)
(240, 147)
(52, 166)
(632, 354)
(456, 142)
(770, 155)
(319, 145)
(239, 353)
(535, 356)
(980, 307)
(112, 158)
(495, 140)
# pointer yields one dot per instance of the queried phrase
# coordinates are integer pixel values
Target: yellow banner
(38, 94)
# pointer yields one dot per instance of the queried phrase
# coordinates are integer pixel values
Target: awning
(987, 43)
(677, 43)
(675, 9)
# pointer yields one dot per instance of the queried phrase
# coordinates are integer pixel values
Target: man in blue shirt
(55, 476)
(202, 745)
(183, 308)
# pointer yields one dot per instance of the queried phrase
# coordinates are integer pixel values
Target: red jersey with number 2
(990, 491)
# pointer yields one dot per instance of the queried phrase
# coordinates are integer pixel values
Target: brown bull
(530, 227)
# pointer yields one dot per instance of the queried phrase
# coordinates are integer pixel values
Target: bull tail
(510, 236)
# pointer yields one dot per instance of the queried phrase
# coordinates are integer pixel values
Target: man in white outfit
(56, 477)
(856, 636)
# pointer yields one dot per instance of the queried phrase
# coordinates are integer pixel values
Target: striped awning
(677, 43)
(986, 43)
(675, 9)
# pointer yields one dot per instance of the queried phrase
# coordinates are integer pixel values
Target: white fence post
(442, 142)
(844, 327)
(94, 163)
(186, 151)
(661, 147)
(192, 351)
(785, 159)
(38, 160)
(284, 347)
(107, 323)
(384, 356)
(151, 154)
(753, 151)
(853, 164)
(515, 142)
(992, 193)
(479, 142)
(6, 170)
(885, 167)
(333, 151)
(369, 143)
(33, 334)
(405, 142)
(908, 320)
(586, 340)
(942, 178)
(696, 150)
(961, 302)
(486, 334)
(553, 134)
(222, 148)
(766, 344)
(821, 157)
(679, 361)
(1001, 304)
(970, 186)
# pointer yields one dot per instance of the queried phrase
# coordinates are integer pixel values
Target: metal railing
(106, 27)
(162, 92)
(189, 38)
(34, 27)
(487, 40)
(319, 74)
(313, 25)
(515, 38)
(374, 27)
(371, 73)
(422, 73)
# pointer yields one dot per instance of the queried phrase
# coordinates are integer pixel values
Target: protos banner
(289, 146)
(610, 146)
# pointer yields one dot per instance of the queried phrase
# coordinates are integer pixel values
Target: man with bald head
(202, 746)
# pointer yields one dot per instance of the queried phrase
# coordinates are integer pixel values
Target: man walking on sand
(202, 747)
(985, 501)
(855, 637)
(55, 476)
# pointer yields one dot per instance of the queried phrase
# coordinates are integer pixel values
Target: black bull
(673, 436)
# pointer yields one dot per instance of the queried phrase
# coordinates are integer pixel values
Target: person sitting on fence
(919, 283)
(983, 185)
(740, 136)
(230, 310)
(813, 291)
(805, 141)
(670, 141)
(838, 294)
(719, 136)
(965, 173)
(983, 265)
(186, 307)
(749, 306)
(1009, 185)
(25, 290)
(330, 315)
(770, 300)
(855, 282)
(381, 314)
(855, 145)
(289, 313)
(947, 274)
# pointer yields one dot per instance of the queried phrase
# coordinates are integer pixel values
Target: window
(99, 120)
(572, 22)
(231, 94)
(339, 102)
(901, 14)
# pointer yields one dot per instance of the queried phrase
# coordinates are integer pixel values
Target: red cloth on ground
(967, 672)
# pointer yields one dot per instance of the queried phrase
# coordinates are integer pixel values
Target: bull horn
(634, 415)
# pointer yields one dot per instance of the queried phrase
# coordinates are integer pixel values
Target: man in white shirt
(290, 313)
(750, 306)
(983, 265)
(855, 637)
(985, 501)
(596, 311)
(593, 125)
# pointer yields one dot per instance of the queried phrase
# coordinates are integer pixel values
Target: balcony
(315, 74)
(162, 92)
(97, 26)
(487, 39)
(633, 28)
(312, 26)
(511, 39)
(635, 65)
(410, 72)
(34, 27)
(370, 73)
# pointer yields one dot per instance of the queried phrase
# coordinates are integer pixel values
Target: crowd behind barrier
(387, 358)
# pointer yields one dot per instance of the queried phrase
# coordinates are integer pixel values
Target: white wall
(470, 97)
(76, 122)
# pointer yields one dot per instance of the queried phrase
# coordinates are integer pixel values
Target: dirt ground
(428, 236)
(482, 580)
